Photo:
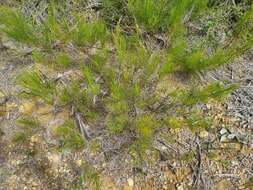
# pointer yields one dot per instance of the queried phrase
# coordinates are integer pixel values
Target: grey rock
(223, 131)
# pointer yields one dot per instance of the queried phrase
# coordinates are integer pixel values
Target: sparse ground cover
(126, 94)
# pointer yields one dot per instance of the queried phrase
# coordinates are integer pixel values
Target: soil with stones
(220, 158)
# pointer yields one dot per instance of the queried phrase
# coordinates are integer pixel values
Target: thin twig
(167, 145)
(198, 175)
(82, 126)
(227, 175)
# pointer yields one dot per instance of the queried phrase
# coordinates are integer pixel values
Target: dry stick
(82, 126)
(167, 146)
(228, 176)
(94, 5)
(198, 176)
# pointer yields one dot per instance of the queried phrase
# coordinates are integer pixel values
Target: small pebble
(231, 136)
(223, 131)
(223, 139)
(130, 182)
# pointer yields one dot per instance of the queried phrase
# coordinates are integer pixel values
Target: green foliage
(187, 115)
(20, 137)
(187, 157)
(74, 95)
(121, 75)
(50, 29)
(38, 57)
(178, 10)
(227, 3)
(213, 91)
(63, 59)
(88, 33)
(69, 137)
(137, 68)
(115, 10)
(174, 122)
(118, 123)
(191, 58)
(27, 127)
(17, 27)
(94, 146)
(93, 88)
(118, 109)
(55, 60)
(145, 126)
(71, 94)
(36, 84)
(152, 14)
(89, 179)
(196, 122)
(54, 29)
(238, 44)
(98, 61)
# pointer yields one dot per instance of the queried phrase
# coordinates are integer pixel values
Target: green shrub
(52, 30)
(89, 178)
(120, 80)
(17, 27)
(63, 59)
(145, 126)
(115, 10)
(27, 127)
(88, 33)
(150, 13)
(78, 98)
(36, 84)
(195, 95)
(69, 137)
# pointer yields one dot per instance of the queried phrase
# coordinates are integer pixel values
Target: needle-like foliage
(36, 84)
(17, 27)
(120, 73)
(28, 126)
(69, 137)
